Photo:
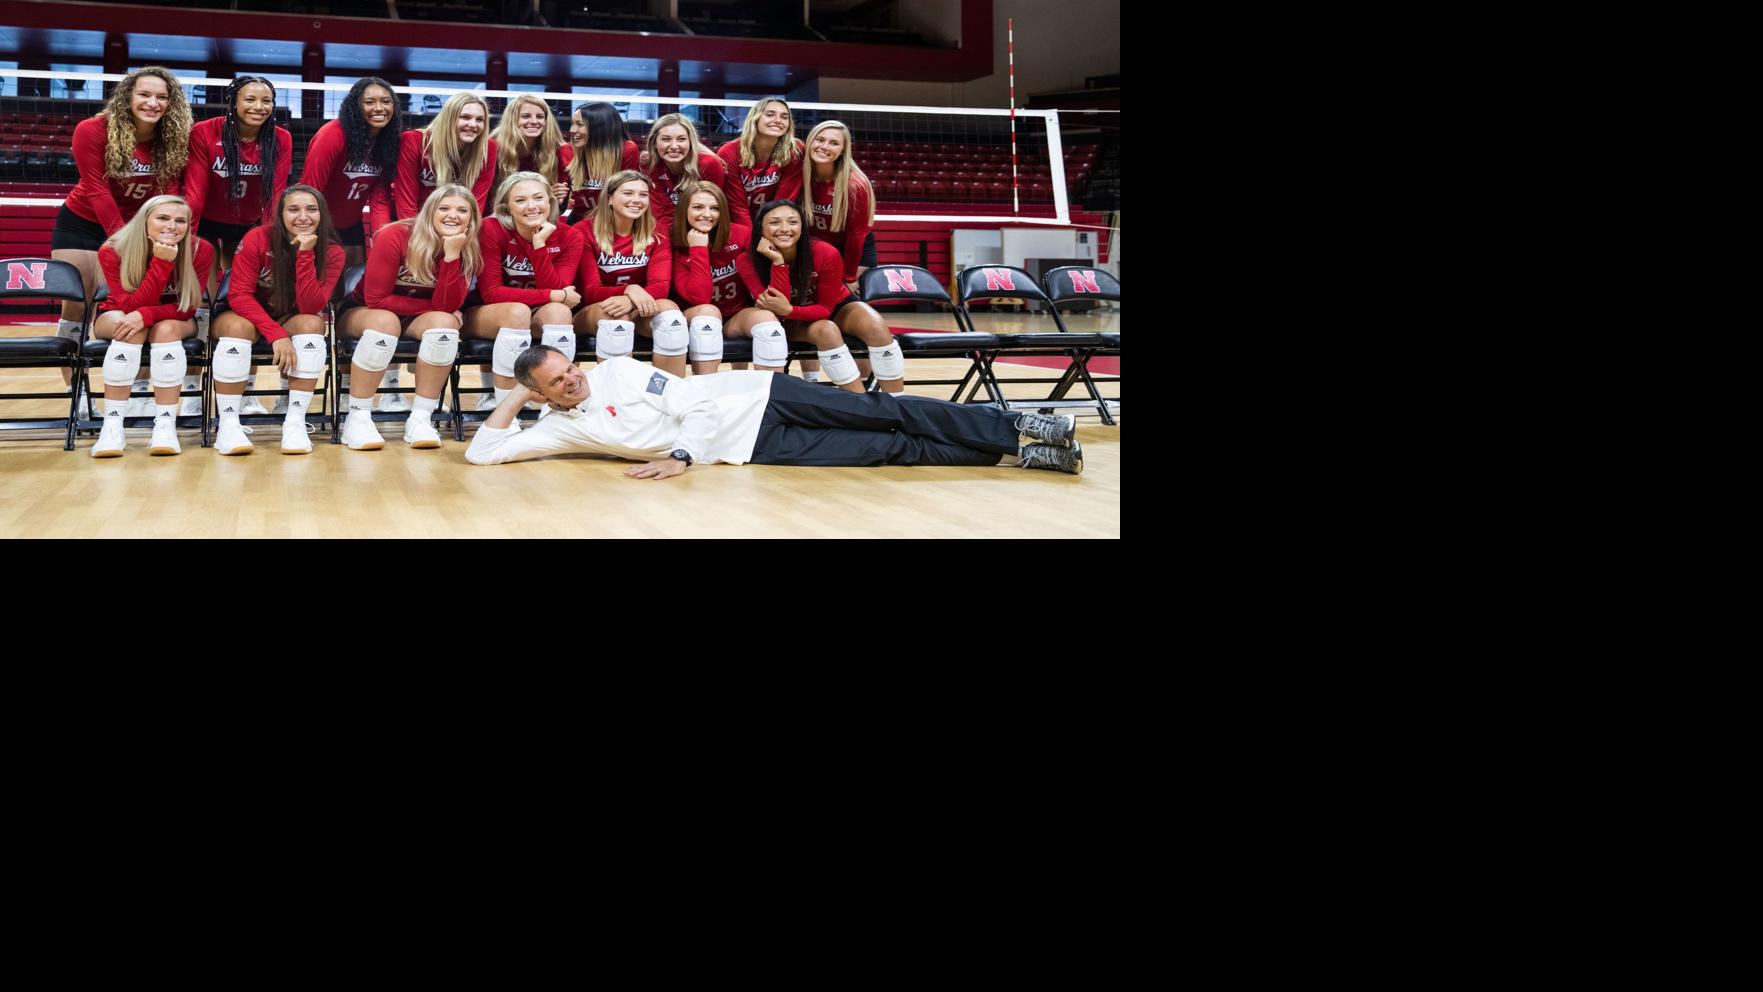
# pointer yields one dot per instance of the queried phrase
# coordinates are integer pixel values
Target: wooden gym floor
(46, 492)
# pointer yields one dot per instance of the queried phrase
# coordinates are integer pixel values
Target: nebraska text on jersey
(245, 168)
(623, 261)
(360, 170)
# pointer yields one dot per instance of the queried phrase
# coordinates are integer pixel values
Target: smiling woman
(454, 148)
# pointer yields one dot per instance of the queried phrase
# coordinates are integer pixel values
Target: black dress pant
(808, 423)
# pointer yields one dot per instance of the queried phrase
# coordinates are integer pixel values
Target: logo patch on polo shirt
(657, 384)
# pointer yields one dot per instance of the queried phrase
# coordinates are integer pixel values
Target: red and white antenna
(1015, 198)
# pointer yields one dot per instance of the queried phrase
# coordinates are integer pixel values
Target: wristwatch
(680, 454)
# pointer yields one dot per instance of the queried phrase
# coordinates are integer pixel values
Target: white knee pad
(440, 346)
(510, 342)
(770, 347)
(614, 339)
(887, 360)
(309, 356)
(706, 344)
(668, 328)
(169, 365)
(232, 360)
(838, 365)
(375, 350)
(559, 336)
(121, 362)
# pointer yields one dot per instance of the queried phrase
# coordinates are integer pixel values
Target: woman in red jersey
(283, 275)
(705, 249)
(418, 274)
(626, 272)
(353, 158)
(763, 161)
(238, 167)
(841, 197)
(531, 263)
(677, 157)
(528, 140)
(599, 150)
(454, 148)
(797, 284)
(135, 148)
(151, 269)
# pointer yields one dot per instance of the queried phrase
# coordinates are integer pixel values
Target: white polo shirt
(641, 413)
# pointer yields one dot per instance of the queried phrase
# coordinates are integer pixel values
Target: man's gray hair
(529, 361)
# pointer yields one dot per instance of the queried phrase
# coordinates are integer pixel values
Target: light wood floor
(46, 492)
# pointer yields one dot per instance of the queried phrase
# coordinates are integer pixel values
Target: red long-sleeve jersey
(416, 176)
(824, 283)
(107, 202)
(583, 198)
(849, 242)
(664, 186)
(515, 272)
(253, 261)
(388, 285)
(759, 185)
(205, 177)
(604, 275)
(347, 186)
(157, 295)
(709, 275)
(530, 163)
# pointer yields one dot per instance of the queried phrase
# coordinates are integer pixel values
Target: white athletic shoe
(140, 405)
(419, 432)
(296, 439)
(253, 407)
(487, 402)
(359, 433)
(394, 403)
(190, 406)
(231, 439)
(110, 439)
(281, 406)
(165, 437)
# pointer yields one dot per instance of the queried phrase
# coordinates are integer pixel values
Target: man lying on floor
(626, 409)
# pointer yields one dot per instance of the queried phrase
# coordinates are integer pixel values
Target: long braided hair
(267, 142)
(361, 145)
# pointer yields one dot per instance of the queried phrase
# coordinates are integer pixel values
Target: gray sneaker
(1060, 429)
(1053, 457)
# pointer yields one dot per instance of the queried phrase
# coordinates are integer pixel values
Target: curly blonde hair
(171, 139)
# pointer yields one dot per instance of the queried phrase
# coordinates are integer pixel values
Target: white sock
(357, 405)
(118, 407)
(298, 401)
(811, 376)
(165, 409)
(228, 406)
(142, 386)
(422, 406)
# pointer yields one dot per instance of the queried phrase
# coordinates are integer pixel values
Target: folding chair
(48, 279)
(909, 282)
(92, 353)
(1084, 283)
(993, 281)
